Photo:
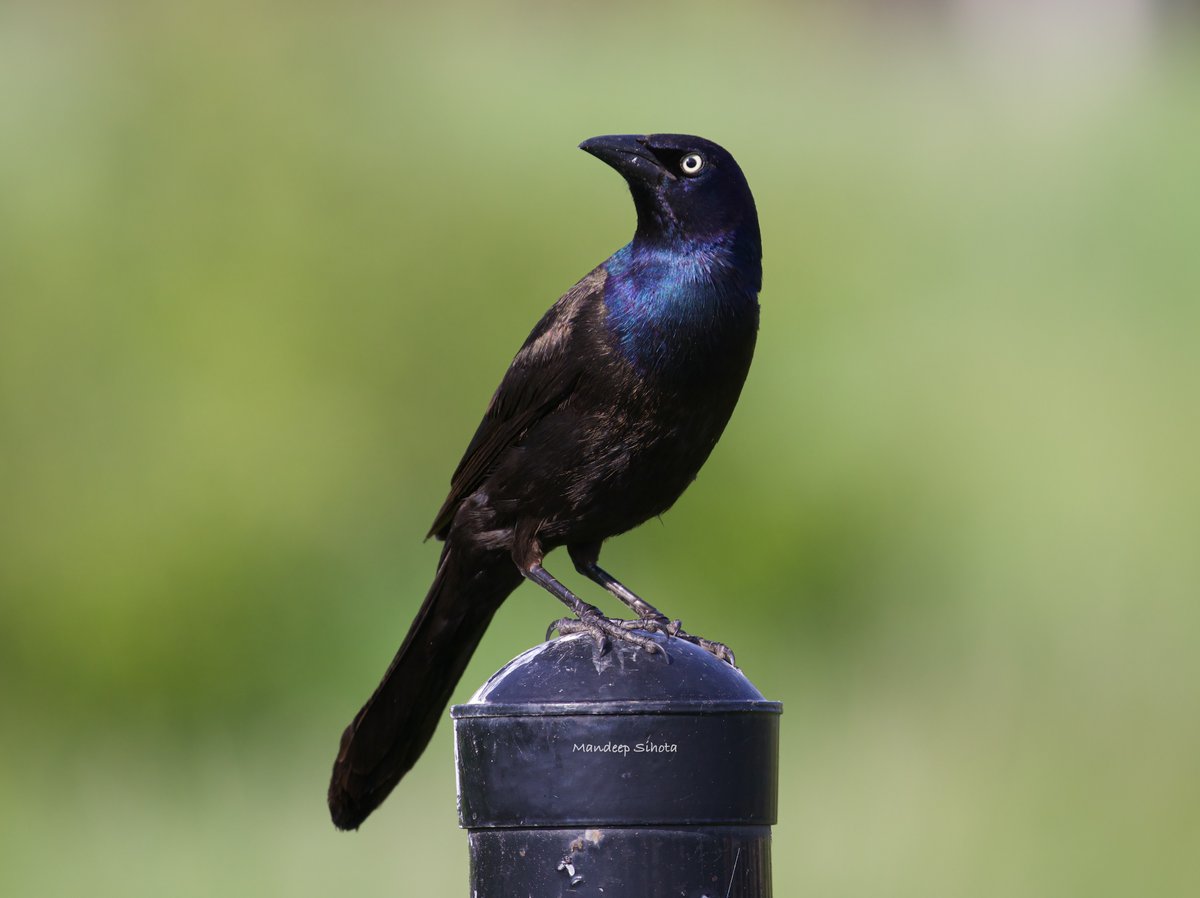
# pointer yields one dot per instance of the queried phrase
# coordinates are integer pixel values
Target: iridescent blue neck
(670, 302)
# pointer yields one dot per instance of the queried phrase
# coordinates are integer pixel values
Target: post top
(560, 737)
(565, 676)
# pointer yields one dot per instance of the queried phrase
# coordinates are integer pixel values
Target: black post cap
(590, 773)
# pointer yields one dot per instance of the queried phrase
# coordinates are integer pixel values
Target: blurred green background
(261, 266)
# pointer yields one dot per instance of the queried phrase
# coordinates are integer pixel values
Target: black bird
(603, 419)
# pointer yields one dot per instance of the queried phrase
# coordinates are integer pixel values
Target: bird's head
(683, 186)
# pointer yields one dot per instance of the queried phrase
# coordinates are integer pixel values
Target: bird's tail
(394, 726)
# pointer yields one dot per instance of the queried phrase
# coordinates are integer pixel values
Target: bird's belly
(619, 453)
(619, 468)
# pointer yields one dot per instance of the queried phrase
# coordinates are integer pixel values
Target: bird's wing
(541, 377)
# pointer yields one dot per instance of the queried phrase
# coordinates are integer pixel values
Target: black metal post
(621, 776)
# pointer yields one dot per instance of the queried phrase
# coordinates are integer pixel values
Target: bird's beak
(628, 154)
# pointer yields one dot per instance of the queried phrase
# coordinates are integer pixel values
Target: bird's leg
(588, 618)
(586, 557)
(649, 617)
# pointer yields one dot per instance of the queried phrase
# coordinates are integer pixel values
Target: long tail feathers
(394, 726)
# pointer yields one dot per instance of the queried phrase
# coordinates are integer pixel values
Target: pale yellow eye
(691, 164)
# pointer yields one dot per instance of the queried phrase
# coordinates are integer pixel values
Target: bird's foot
(603, 629)
(652, 625)
(720, 649)
(674, 629)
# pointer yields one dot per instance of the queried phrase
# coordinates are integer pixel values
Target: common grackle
(603, 419)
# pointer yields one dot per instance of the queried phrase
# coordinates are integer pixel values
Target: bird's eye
(691, 164)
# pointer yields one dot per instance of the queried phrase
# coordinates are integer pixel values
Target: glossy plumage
(602, 420)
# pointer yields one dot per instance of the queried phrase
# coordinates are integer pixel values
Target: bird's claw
(674, 629)
(603, 629)
(653, 625)
(720, 649)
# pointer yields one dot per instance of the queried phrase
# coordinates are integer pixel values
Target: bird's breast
(678, 311)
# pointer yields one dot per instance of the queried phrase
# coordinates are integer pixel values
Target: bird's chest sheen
(677, 314)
